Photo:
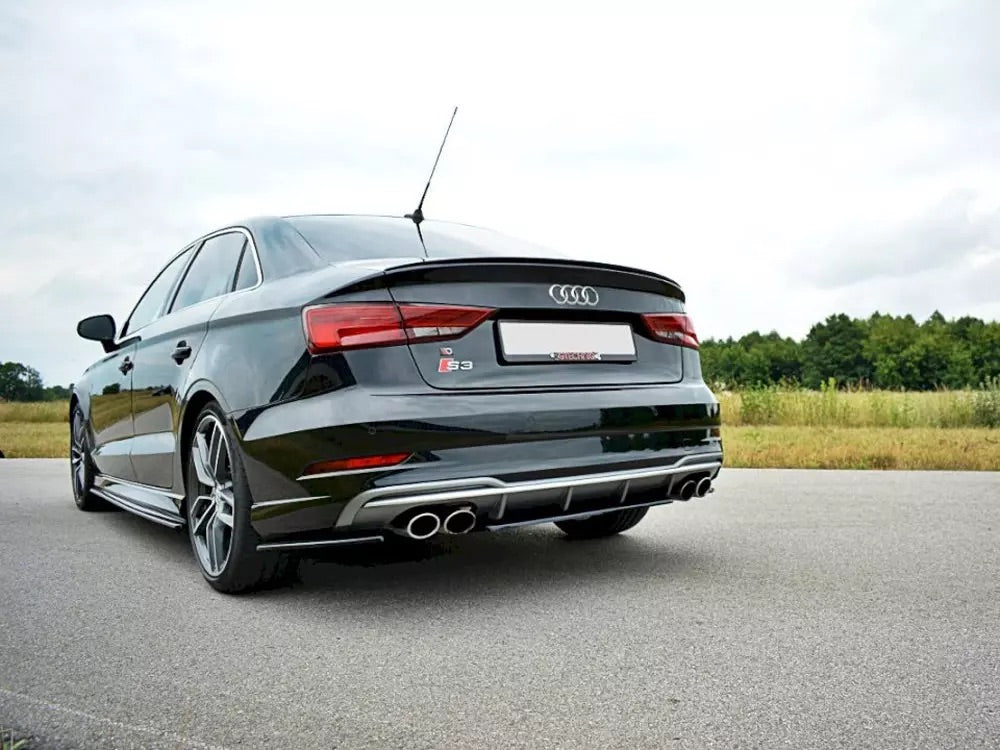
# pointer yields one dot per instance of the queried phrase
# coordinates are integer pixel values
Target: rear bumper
(512, 458)
(497, 505)
(501, 501)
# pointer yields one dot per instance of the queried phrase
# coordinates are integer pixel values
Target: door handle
(125, 366)
(182, 352)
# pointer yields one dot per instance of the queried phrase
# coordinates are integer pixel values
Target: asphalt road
(790, 609)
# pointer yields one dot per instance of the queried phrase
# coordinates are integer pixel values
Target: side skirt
(146, 502)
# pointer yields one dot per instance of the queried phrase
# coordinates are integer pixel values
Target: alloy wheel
(213, 509)
(78, 455)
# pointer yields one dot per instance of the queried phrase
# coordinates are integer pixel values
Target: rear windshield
(343, 238)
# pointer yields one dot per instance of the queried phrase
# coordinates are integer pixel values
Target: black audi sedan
(286, 384)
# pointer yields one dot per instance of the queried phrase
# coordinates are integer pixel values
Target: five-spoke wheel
(218, 511)
(213, 508)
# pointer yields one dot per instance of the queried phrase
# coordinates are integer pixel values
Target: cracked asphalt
(790, 609)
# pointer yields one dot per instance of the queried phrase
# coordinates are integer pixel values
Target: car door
(110, 386)
(167, 348)
(111, 378)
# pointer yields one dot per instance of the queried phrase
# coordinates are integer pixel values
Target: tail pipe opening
(703, 487)
(423, 526)
(460, 521)
(687, 490)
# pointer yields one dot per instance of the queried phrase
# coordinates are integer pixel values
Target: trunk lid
(556, 323)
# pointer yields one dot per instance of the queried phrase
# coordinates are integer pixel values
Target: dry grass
(833, 408)
(775, 406)
(42, 411)
(862, 448)
(34, 439)
(752, 447)
(802, 429)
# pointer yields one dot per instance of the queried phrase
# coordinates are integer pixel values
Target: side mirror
(98, 328)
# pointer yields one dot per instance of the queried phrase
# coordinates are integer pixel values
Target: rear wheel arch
(243, 567)
(200, 396)
(192, 409)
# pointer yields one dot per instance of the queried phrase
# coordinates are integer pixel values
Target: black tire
(606, 524)
(81, 465)
(243, 568)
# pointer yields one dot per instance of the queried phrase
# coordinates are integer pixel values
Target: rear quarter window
(212, 271)
(284, 252)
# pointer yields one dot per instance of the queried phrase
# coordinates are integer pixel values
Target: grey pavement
(790, 609)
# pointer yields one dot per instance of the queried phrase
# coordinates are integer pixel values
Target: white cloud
(734, 147)
(947, 234)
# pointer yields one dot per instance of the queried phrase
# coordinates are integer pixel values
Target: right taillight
(672, 328)
(335, 327)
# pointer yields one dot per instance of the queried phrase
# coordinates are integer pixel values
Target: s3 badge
(448, 363)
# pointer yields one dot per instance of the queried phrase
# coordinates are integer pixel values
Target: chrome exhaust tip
(423, 526)
(687, 490)
(703, 487)
(460, 521)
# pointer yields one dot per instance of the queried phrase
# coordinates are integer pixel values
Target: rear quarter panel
(255, 352)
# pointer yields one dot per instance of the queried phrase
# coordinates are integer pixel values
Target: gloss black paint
(290, 409)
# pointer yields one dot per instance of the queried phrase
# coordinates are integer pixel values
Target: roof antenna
(418, 215)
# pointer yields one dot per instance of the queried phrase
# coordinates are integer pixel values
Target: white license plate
(566, 342)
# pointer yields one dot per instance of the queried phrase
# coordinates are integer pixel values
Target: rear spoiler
(542, 270)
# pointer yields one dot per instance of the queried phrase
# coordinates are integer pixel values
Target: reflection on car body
(292, 383)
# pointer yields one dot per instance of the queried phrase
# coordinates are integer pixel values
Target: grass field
(34, 439)
(762, 429)
(976, 449)
(833, 408)
(43, 411)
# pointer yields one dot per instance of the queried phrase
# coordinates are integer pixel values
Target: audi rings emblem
(569, 294)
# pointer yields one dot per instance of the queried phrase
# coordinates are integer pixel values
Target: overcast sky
(782, 161)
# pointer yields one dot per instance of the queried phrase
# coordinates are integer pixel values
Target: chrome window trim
(195, 246)
(123, 335)
(200, 242)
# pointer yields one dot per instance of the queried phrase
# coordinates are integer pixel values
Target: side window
(152, 302)
(247, 276)
(283, 251)
(212, 270)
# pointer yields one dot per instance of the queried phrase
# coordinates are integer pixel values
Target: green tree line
(19, 382)
(883, 351)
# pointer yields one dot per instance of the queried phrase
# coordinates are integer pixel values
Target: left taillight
(672, 328)
(336, 327)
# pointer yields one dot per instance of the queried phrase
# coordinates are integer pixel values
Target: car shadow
(451, 568)
(485, 566)
(153, 538)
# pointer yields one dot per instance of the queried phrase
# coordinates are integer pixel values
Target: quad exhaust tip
(423, 526)
(687, 490)
(703, 487)
(460, 521)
